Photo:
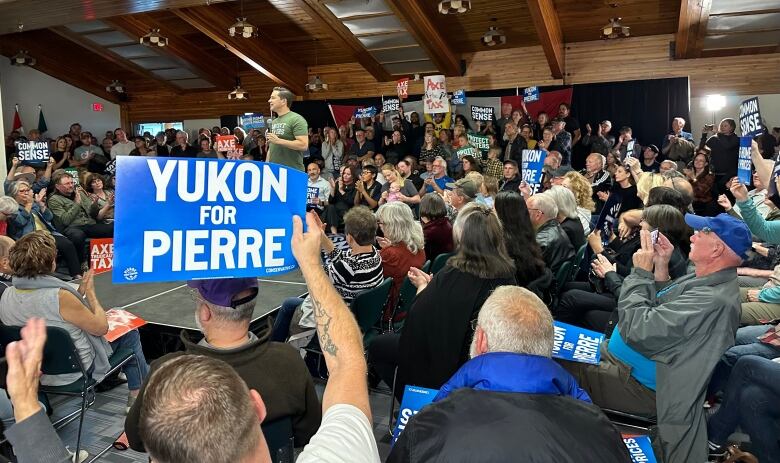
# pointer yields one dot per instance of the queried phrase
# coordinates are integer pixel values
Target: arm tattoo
(323, 328)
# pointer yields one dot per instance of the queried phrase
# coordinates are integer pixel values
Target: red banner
(548, 102)
(101, 255)
(342, 113)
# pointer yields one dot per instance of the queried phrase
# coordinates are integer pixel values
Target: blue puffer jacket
(510, 372)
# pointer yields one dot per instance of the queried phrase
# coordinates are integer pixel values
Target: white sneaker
(83, 455)
(121, 375)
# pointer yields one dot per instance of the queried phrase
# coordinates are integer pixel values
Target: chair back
(279, 437)
(563, 275)
(59, 353)
(440, 261)
(367, 308)
(407, 293)
(579, 256)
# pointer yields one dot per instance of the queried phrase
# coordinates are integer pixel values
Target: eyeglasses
(26, 190)
(474, 324)
(705, 230)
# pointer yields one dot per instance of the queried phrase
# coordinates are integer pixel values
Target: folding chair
(405, 298)
(440, 261)
(60, 356)
(367, 308)
(279, 437)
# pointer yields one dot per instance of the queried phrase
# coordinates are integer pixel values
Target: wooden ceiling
(297, 35)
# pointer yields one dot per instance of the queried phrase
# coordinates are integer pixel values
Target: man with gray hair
(223, 311)
(510, 398)
(183, 149)
(556, 247)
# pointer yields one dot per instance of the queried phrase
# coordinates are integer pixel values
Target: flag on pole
(41, 121)
(17, 120)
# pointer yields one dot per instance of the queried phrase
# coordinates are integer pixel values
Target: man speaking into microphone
(288, 134)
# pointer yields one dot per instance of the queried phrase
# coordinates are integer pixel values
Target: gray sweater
(35, 441)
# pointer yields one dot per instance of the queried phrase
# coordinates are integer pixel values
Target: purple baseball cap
(222, 291)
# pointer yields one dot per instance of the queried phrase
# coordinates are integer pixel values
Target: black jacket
(556, 247)
(516, 149)
(473, 426)
(725, 151)
(513, 184)
(575, 232)
(437, 332)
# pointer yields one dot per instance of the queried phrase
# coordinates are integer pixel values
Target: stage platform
(168, 307)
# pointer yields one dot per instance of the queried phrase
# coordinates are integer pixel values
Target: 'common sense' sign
(183, 219)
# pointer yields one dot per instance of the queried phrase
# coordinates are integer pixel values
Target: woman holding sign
(33, 215)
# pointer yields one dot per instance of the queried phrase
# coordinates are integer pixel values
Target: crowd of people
(684, 285)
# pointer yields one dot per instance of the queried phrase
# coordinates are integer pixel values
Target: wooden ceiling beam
(261, 53)
(112, 57)
(418, 21)
(550, 36)
(137, 26)
(691, 28)
(334, 28)
(49, 62)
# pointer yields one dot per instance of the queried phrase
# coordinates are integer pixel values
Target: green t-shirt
(288, 127)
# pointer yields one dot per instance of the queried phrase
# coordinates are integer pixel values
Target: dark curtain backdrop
(647, 106)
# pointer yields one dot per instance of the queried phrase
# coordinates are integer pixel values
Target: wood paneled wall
(599, 61)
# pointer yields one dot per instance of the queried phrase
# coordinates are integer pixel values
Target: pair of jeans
(132, 341)
(752, 402)
(746, 343)
(281, 329)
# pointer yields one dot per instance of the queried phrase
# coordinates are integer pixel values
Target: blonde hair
(582, 189)
(647, 181)
(391, 167)
(477, 178)
(490, 185)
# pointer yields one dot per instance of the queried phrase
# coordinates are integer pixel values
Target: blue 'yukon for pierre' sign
(180, 219)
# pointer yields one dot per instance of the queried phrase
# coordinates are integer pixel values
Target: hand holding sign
(739, 190)
(306, 246)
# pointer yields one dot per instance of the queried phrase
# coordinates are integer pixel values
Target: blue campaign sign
(750, 118)
(640, 448)
(608, 215)
(182, 219)
(414, 399)
(533, 163)
(459, 97)
(576, 344)
(530, 94)
(361, 113)
(253, 121)
(744, 163)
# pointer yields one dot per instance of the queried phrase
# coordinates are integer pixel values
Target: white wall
(191, 126)
(62, 103)
(768, 104)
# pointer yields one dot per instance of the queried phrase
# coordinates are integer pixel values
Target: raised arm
(339, 335)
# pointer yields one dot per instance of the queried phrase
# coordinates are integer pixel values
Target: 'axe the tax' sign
(183, 219)
(101, 254)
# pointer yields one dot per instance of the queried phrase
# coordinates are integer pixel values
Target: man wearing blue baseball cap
(670, 335)
(223, 311)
